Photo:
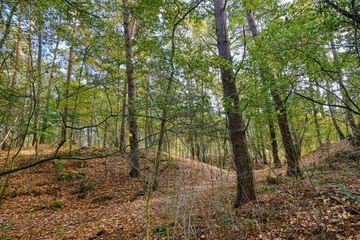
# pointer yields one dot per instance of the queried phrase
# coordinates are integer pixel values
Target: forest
(179, 119)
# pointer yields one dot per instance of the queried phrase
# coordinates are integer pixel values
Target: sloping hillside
(98, 200)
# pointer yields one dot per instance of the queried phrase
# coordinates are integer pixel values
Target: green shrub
(57, 204)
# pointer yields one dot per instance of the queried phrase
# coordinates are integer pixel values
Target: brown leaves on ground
(97, 199)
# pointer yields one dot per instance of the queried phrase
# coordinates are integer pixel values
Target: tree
(244, 171)
(134, 144)
(292, 152)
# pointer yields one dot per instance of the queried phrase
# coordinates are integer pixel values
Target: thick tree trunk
(244, 170)
(134, 144)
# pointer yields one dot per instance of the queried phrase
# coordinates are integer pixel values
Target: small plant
(316, 183)
(58, 166)
(267, 189)
(4, 230)
(226, 222)
(249, 220)
(82, 164)
(70, 176)
(104, 197)
(34, 208)
(348, 194)
(57, 204)
(86, 186)
(165, 229)
(62, 232)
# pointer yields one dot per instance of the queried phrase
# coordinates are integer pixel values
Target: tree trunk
(38, 85)
(122, 140)
(317, 125)
(350, 117)
(64, 134)
(244, 170)
(134, 145)
(48, 92)
(292, 151)
(8, 111)
(274, 145)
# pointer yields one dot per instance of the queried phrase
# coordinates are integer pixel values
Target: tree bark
(134, 145)
(244, 170)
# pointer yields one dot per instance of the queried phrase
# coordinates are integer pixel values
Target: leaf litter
(194, 200)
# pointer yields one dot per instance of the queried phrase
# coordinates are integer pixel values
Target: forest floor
(96, 199)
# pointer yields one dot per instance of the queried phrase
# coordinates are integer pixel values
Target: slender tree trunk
(38, 84)
(31, 73)
(274, 145)
(322, 111)
(64, 133)
(336, 125)
(315, 111)
(350, 117)
(48, 92)
(244, 170)
(263, 152)
(134, 145)
(89, 133)
(123, 120)
(8, 23)
(9, 115)
(292, 151)
(317, 125)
